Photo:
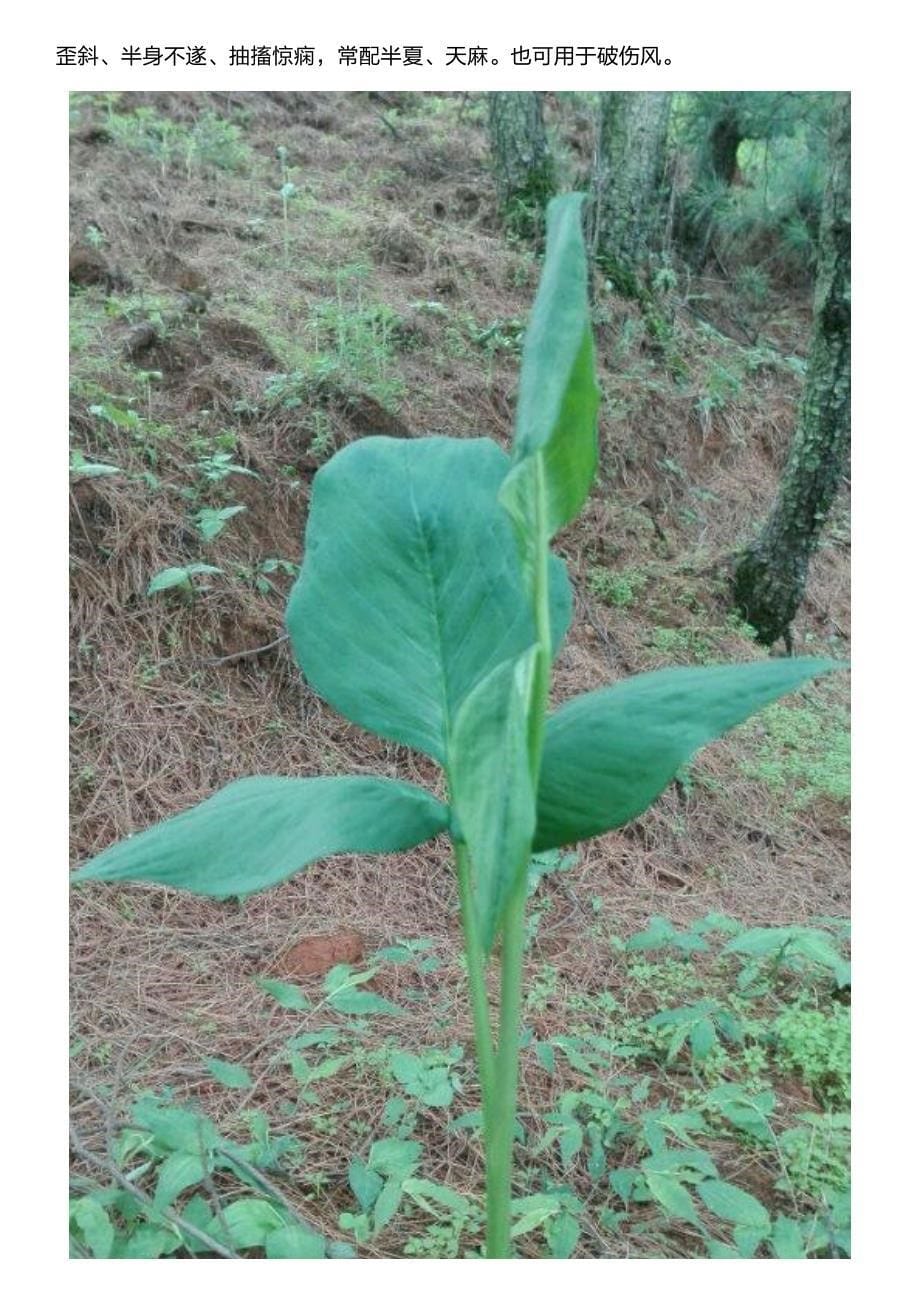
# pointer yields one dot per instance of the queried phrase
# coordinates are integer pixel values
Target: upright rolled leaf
(609, 753)
(557, 406)
(492, 791)
(257, 831)
(410, 590)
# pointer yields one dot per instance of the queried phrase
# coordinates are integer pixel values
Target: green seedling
(179, 576)
(429, 610)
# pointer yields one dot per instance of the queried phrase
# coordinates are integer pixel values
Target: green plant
(179, 576)
(181, 1157)
(430, 559)
(816, 1046)
(209, 140)
(211, 521)
(616, 587)
(806, 749)
(218, 466)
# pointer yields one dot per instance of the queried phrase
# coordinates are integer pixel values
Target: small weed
(684, 645)
(616, 587)
(218, 466)
(815, 1045)
(211, 521)
(209, 142)
(805, 748)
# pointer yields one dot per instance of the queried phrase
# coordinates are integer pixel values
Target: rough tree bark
(524, 170)
(771, 573)
(629, 207)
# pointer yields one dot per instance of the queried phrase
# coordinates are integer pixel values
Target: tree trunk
(771, 573)
(720, 154)
(629, 208)
(524, 170)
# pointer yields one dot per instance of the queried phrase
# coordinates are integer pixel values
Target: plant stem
(475, 963)
(499, 1130)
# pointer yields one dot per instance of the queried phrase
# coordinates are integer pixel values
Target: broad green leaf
(532, 1211)
(388, 1200)
(397, 1157)
(492, 790)
(246, 1223)
(178, 1171)
(365, 1183)
(703, 1039)
(305, 1074)
(678, 1161)
(749, 1238)
(294, 1241)
(211, 520)
(546, 1056)
(286, 994)
(439, 1193)
(359, 1226)
(176, 1128)
(363, 1003)
(178, 576)
(429, 1082)
(555, 438)
(730, 1203)
(230, 1074)
(93, 1222)
(609, 753)
(623, 1182)
(570, 1142)
(410, 590)
(148, 1243)
(673, 1196)
(83, 469)
(761, 942)
(748, 1112)
(562, 1235)
(258, 831)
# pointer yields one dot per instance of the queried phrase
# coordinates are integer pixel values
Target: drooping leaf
(609, 753)
(555, 438)
(492, 789)
(410, 590)
(257, 831)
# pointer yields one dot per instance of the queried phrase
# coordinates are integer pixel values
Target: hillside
(226, 340)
